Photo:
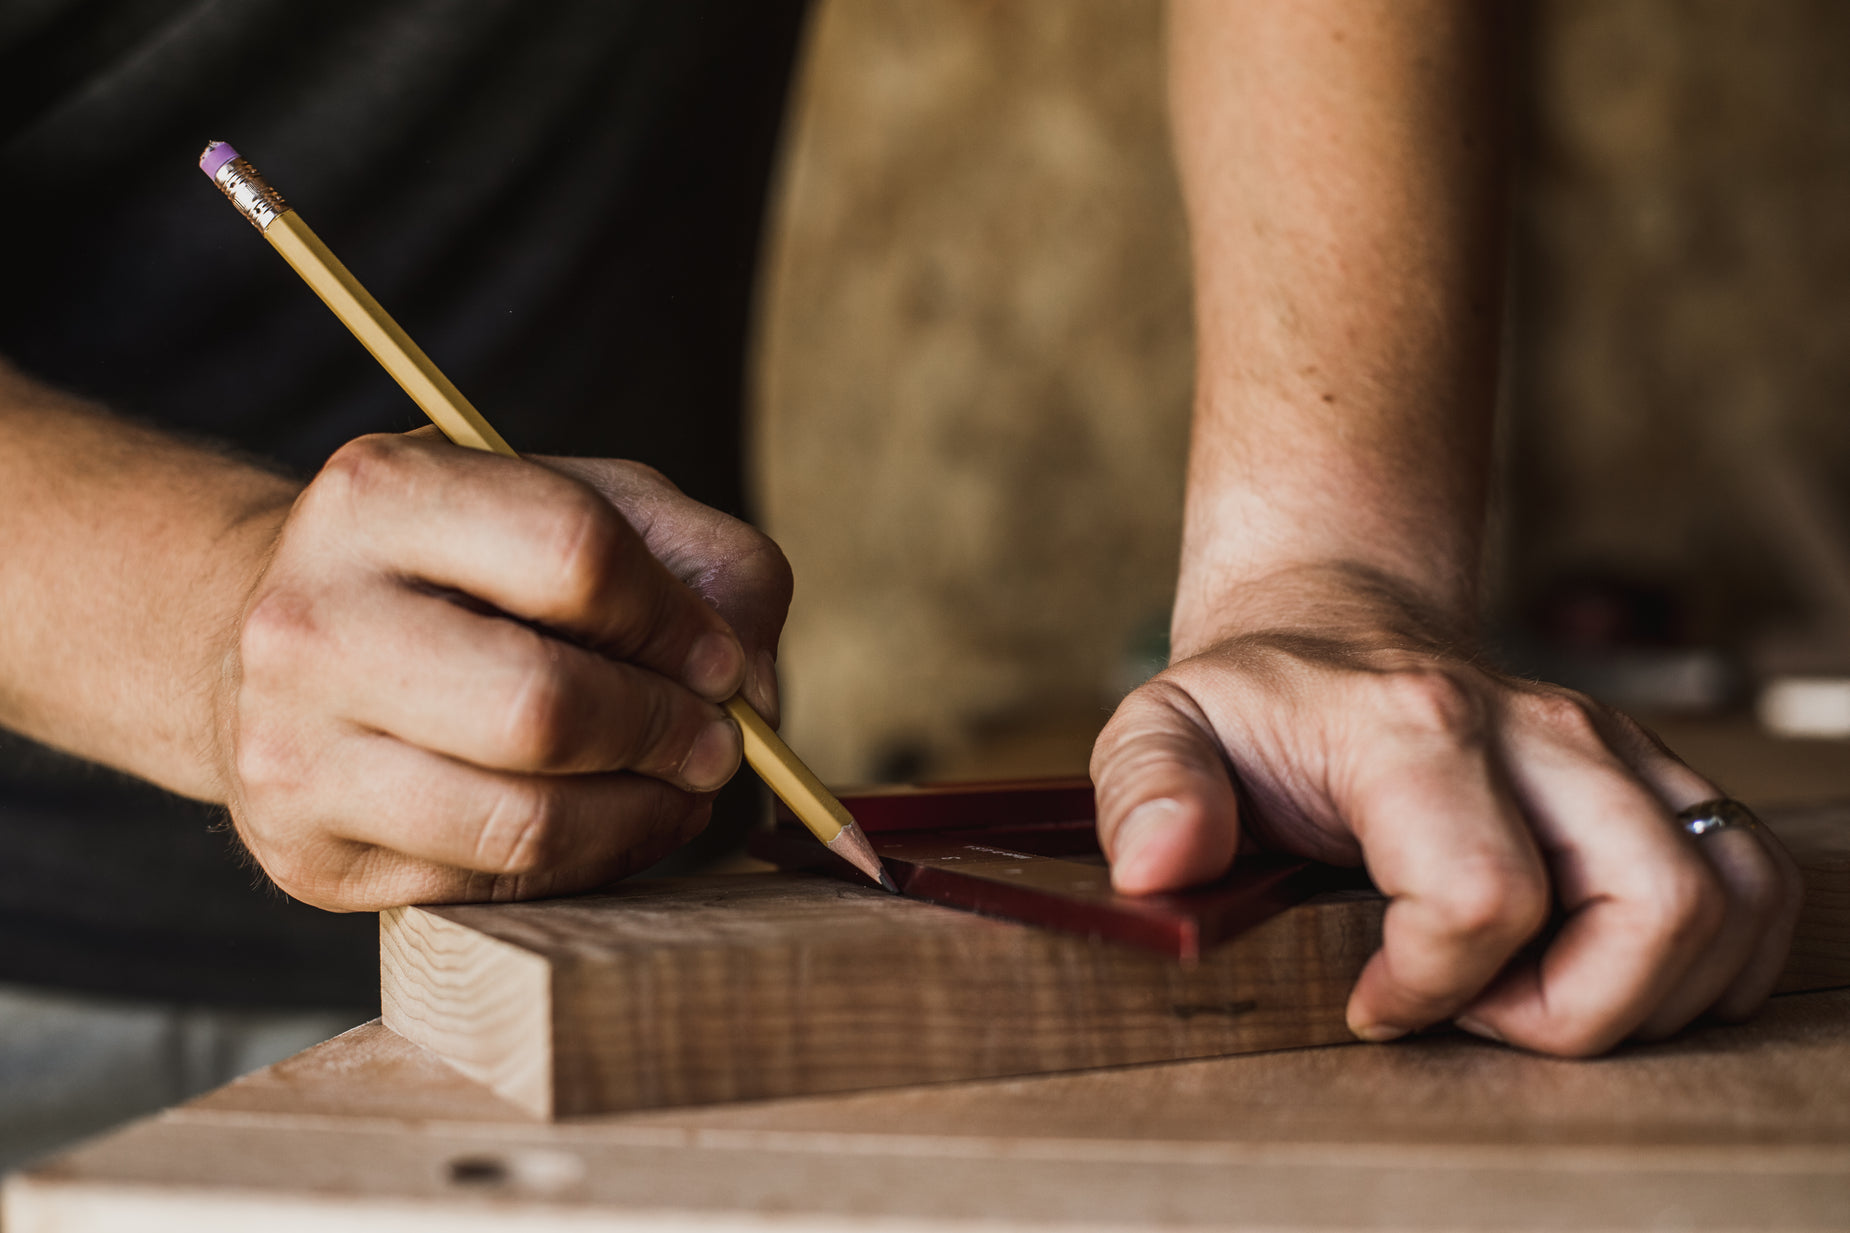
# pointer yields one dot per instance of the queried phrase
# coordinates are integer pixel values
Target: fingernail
(761, 686)
(714, 666)
(1377, 1033)
(1477, 1027)
(714, 757)
(1132, 846)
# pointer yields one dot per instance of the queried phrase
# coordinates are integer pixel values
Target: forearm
(126, 560)
(1341, 162)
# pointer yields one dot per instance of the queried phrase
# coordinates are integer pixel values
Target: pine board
(1723, 1128)
(753, 987)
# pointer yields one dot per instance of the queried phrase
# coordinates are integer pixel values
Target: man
(334, 661)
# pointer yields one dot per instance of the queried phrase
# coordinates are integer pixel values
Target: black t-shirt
(559, 199)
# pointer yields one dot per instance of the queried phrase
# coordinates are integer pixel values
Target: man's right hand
(467, 677)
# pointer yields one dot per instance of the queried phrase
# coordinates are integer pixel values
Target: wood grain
(1819, 839)
(467, 991)
(693, 991)
(1722, 1128)
(689, 991)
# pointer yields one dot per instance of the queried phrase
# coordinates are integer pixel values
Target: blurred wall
(1682, 334)
(974, 354)
(974, 370)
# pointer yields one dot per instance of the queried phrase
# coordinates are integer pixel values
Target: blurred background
(971, 389)
(973, 376)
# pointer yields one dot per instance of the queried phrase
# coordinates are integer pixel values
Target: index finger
(729, 563)
(1467, 885)
(532, 542)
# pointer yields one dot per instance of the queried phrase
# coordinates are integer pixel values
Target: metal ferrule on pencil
(250, 192)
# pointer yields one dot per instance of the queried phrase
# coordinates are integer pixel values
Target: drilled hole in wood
(478, 1171)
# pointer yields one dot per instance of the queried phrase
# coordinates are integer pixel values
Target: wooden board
(750, 987)
(690, 991)
(1724, 1128)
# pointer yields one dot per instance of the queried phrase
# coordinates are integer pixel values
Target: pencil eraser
(216, 155)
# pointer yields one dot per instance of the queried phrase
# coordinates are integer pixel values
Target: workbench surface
(1721, 1128)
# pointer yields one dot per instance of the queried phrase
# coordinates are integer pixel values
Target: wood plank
(469, 991)
(753, 987)
(1782, 1079)
(688, 991)
(1723, 1128)
(1819, 838)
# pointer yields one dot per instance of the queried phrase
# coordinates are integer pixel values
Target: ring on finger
(1723, 813)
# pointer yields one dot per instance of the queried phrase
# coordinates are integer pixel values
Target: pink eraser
(217, 154)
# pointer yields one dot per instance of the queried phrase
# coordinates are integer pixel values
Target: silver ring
(1721, 814)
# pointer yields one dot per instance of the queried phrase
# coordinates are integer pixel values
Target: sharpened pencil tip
(852, 846)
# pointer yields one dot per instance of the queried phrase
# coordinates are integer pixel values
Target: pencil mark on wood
(1020, 856)
(1228, 1010)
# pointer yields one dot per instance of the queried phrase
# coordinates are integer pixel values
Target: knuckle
(540, 723)
(520, 835)
(318, 878)
(1433, 701)
(298, 879)
(1686, 902)
(586, 546)
(277, 632)
(364, 466)
(1632, 732)
(1493, 904)
(1762, 889)
(1572, 717)
(650, 476)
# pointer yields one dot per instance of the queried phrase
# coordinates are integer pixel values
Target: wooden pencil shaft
(795, 784)
(433, 392)
(813, 804)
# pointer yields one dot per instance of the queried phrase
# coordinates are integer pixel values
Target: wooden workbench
(1722, 1128)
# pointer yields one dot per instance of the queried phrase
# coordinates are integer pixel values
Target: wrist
(1342, 599)
(228, 583)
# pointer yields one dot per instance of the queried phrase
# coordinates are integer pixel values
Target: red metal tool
(1027, 850)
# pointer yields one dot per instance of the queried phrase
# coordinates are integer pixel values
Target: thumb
(1167, 815)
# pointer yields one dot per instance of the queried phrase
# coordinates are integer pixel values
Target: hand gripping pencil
(462, 423)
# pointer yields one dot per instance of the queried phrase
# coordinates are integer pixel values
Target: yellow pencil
(462, 423)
